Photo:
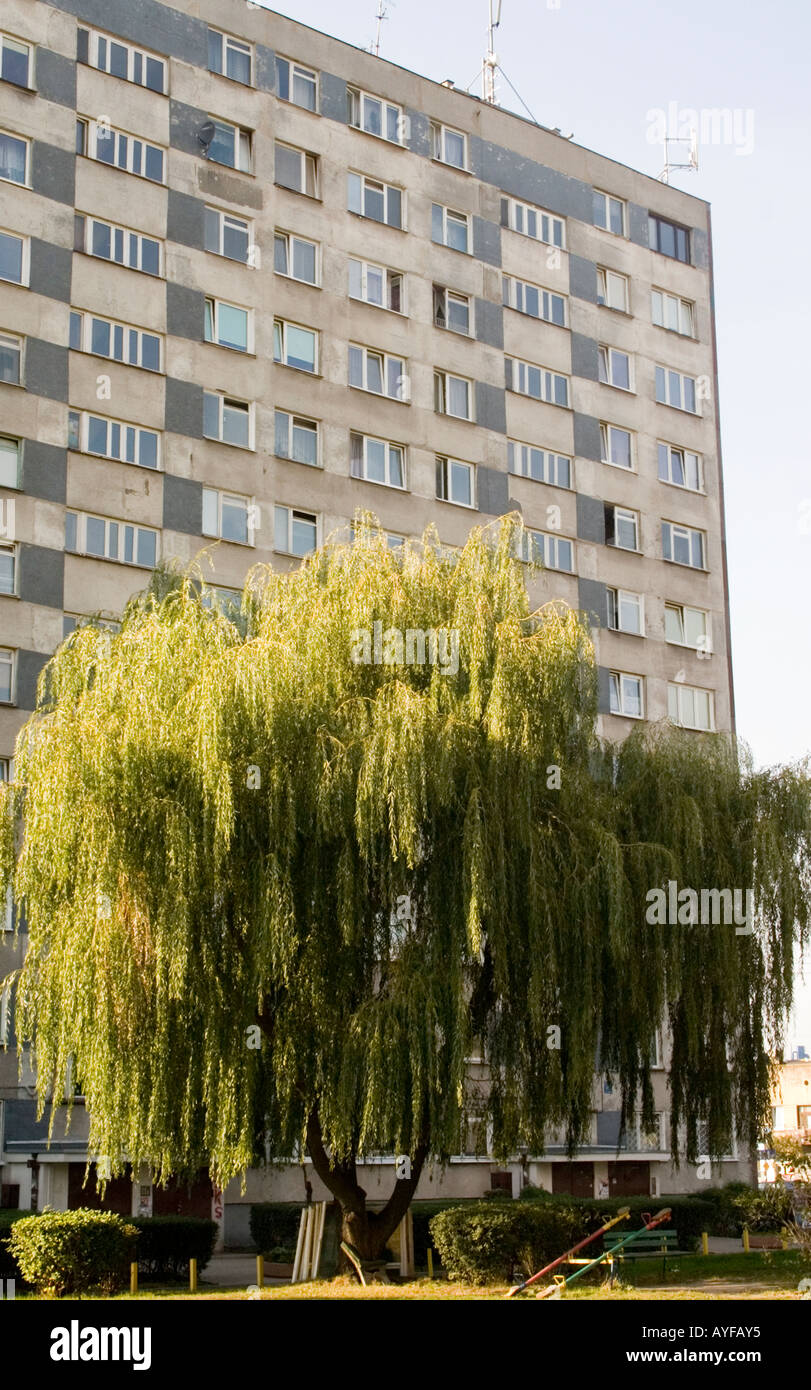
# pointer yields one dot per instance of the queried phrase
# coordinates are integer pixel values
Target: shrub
(9, 1269)
(167, 1243)
(423, 1213)
(761, 1209)
(65, 1252)
(275, 1224)
(487, 1241)
(689, 1215)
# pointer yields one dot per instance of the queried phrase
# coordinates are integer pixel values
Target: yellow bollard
(746, 1240)
(705, 1243)
(133, 1278)
(192, 1276)
(260, 1271)
(430, 1263)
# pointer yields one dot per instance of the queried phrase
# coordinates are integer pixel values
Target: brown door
(117, 1193)
(629, 1179)
(574, 1179)
(183, 1199)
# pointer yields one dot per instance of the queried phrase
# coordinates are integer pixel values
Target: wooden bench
(648, 1245)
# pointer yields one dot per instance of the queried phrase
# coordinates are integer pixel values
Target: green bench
(648, 1245)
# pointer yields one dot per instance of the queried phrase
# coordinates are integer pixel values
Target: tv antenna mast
(671, 165)
(491, 62)
(382, 13)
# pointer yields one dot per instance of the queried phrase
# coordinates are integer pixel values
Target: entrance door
(629, 1179)
(573, 1179)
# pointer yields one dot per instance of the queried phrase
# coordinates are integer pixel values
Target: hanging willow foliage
(215, 817)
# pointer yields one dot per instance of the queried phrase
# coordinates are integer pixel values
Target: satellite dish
(206, 134)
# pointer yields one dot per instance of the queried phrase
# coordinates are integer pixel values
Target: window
(110, 242)
(10, 455)
(14, 258)
(690, 707)
(296, 170)
(680, 467)
(6, 676)
(231, 145)
(227, 235)
(228, 325)
(294, 346)
(449, 228)
(683, 545)
(670, 311)
(16, 61)
(672, 388)
(375, 116)
(113, 439)
(7, 573)
(453, 395)
(448, 145)
(296, 84)
(295, 532)
(615, 368)
(228, 420)
(538, 382)
(376, 460)
(626, 694)
(527, 461)
(615, 446)
(230, 57)
(612, 289)
(625, 611)
(122, 60)
(13, 158)
(296, 438)
(106, 338)
(228, 516)
(379, 372)
(219, 599)
(455, 482)
(382, 202)
(451, 310)
(111, 540)
(533, 222)
(542, 548)
(121, 151)
(621, 527)
(609, 213)
(687, 627)
(295, 257)
(374, 284)
(669, 238)
(11, 357)
(532, 300)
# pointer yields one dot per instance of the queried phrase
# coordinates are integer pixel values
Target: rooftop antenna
(491, 63)
(671, 164)
(382, 13)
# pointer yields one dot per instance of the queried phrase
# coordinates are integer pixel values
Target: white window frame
(684, 312)
(442, 393)
(681, 610)
(122, 427)
(624, 514)
(385, 359)
(97, 37)
(87, 319)
(676, 695)
(519, 377)
(668, 377)
(617, 686)
(459, 218)
(284, 325)
(293, 419)
(356, 106)
(368, 182)
(224, 215)
(10, 549)
(654, 217)
(688, 532)
(447, 295)
(548, 460)
(291, 237)
(298, 70)
(25, 258)
(544, 547)
(607, 280)
(388, 446)
(219, 498)
(388, 278)
(26, 143)
(307, 185)
(15, 343)
(535, 222)
(607, 367)
(8, 658)
(439, 145)
(216, 306)
(126, 235)
(629, 599)
(82, 519)
(243, 146)
(224, 400)
(607, 431)
(18, 453)
(609, 199)
(16, 43)
(696, 463)
(515, 296)
(445, 467)
(292, 513)
(90, 142)
(238, 46)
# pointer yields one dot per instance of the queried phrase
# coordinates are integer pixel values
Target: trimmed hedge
(689, 1215)
(66, 1252)
(737, 1205)
(423, 1213)
(9, 1269)
(275, 1225)
(167, 1243)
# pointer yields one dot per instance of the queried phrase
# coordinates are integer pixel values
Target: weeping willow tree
(278, 880)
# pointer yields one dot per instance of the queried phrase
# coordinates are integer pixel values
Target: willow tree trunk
(368, 1231)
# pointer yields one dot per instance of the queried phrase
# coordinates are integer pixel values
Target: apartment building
(253, 279)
